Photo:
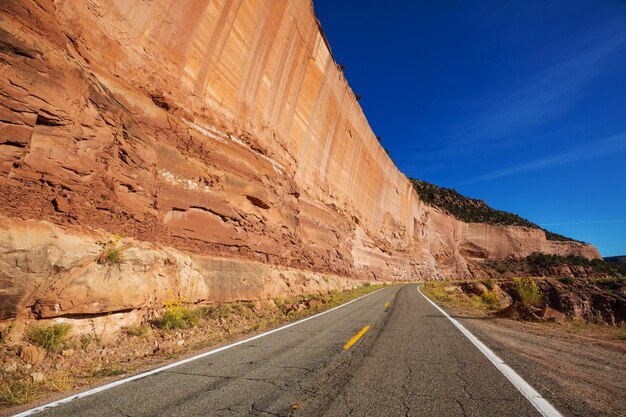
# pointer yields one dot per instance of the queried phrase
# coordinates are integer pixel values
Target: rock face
(49, 272)
(222, 131)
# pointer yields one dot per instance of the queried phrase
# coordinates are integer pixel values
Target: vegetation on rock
(541, 264)
(598, 301)
(472, 210)
(177, 316)
(528, 291)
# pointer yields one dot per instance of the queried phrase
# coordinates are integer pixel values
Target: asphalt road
(411, 361)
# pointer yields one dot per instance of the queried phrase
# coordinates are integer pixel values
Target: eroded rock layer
(220, 129)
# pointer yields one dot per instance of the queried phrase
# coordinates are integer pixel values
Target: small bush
(490, 298)
(177, 316)
(528, 291)
(279, 302)
(567, 280)
(50, 338)
(113, 254)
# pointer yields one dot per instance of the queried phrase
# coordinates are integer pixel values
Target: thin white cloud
(592, 150)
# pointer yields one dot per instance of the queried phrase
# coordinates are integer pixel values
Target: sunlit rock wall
(218, 128)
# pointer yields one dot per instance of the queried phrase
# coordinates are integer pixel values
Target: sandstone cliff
(209, 133)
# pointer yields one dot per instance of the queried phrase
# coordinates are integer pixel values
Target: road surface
(410, 361)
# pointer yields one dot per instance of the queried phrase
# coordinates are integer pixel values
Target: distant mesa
(621, 260)
(472, 210)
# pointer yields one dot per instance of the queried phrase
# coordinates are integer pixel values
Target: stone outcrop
(49, 271)
(213, 133)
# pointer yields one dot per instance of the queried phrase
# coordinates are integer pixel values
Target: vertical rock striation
(222, 129)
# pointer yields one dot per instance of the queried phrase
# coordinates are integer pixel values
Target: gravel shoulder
(582, 372)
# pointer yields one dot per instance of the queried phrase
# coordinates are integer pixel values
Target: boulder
(551, 314)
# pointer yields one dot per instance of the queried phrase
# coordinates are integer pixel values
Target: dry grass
(138, 330)
(449, 295)
(17, 391)
(60, 381)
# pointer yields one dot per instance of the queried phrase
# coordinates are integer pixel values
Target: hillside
(620, 260)
(542, 265)
(472, 210)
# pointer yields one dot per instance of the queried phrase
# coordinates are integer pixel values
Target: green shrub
(567, 280)
(279, 301)
(489, 283)
(177, 317)
(528, 291)
(50, 338)
(490, 298)
(113, 254)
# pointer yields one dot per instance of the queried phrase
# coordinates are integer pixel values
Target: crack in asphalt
(428, 368)
(225, 377)
(462, 408)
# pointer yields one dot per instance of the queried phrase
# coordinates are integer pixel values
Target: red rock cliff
(223, 129)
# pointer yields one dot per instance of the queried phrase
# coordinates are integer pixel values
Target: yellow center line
(356, 337)
(386, 304)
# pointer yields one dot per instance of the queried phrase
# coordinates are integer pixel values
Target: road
(410, 361)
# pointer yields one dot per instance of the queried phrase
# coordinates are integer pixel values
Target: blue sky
(519, 103)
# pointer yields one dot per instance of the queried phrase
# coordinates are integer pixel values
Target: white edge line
(181, 362)
(541, 404)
